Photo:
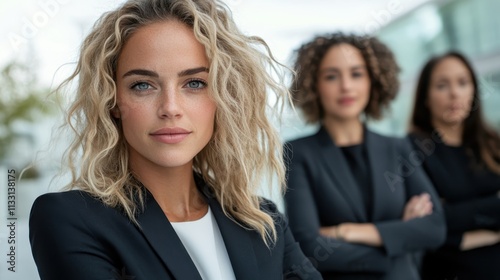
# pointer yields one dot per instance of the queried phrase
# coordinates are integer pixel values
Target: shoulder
(74, 205)
(74, 199)
(397, 143)
(75, 216)
(413, 137)
(268, 206)
(383, 139)
(301, 143)
(301, 147)
(272, 210)
(63, 216)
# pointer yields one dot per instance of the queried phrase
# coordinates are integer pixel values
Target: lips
(170, 135)
(346, 100)
(455, 107)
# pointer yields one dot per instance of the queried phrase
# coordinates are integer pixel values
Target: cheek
(327, 102)
(365, 91)
(125, 110)
(326, 88)
(201, 112)
(327, 95)
(436, 101)
(134, 118)
(208, 114)
(468, 97)
(133, 109)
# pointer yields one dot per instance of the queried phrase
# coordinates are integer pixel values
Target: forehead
(165, 45)
(342, 55)
(450, 66)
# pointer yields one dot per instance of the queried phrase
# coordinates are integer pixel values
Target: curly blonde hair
(380, 63)
(245, 148)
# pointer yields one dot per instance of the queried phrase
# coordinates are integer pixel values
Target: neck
(175, 191)
(344, 132)
(451, 134)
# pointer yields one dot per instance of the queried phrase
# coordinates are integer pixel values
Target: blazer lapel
(339, 169)
(238, 242)
(164, 240)
(381, 156)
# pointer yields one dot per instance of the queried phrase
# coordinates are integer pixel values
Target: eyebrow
(144, 72)
(192, 71)
(334, 69)
(141, 72)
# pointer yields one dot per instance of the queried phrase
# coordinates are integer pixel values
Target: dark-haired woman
(462, 158)
(357, 206)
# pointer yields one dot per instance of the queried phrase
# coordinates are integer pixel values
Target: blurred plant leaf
(21, 99)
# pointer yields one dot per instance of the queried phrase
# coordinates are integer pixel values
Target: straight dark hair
(482, 142)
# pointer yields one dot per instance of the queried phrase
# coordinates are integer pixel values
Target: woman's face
(343, 83)
(451, 92)
(164, 104)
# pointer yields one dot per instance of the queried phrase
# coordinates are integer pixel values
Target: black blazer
(75, 236)
(323, 192)
(471, 202)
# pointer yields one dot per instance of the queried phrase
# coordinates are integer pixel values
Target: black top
(470, 196)
(357, 160)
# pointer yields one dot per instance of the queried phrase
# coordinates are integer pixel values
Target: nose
(346, 83)
(169, 104)
(455, 91)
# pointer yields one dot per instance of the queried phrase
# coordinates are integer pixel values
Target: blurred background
(41, 38)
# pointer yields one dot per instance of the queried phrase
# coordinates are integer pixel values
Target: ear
(115, 112)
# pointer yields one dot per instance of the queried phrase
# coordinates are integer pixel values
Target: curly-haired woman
(356, 204)
(172, 141)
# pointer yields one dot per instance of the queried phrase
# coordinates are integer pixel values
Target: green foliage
(22, 99)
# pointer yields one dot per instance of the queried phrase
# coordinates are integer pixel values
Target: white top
(203, 241)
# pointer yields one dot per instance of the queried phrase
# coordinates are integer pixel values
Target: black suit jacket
(322, 192)
(471, 202)
(75, 236)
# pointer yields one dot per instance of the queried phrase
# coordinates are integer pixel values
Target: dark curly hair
(381, 65)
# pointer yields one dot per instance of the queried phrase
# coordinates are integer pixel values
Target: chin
(175, 163)
(349, 114)
(454, 121)
(455, 118)
(172, 160)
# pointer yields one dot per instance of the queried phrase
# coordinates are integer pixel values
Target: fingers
(418, 206)
(425, 208)
(424, 205)
(413, 202)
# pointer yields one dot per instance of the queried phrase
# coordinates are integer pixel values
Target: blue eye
(196, 84)
(141, 86)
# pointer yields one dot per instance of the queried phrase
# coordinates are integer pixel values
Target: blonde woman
(171, 142)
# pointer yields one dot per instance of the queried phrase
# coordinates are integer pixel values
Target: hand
(418, 206)
(331, 231)
(340, 232)
(361, 233)
(479, 238)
